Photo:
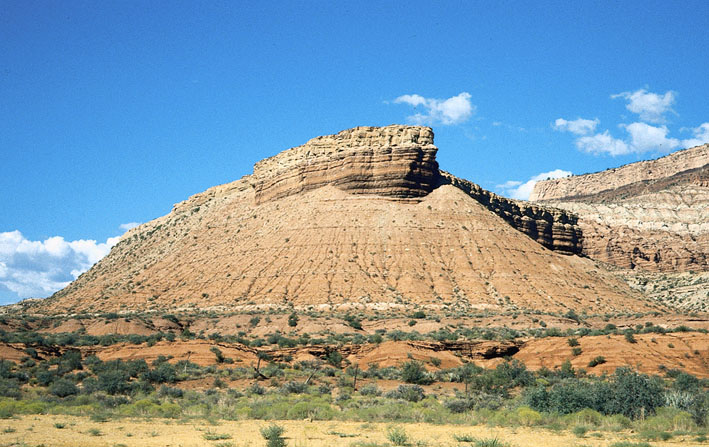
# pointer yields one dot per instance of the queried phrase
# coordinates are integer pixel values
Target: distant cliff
(652, 215)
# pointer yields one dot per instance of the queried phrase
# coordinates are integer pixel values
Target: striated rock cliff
(611, 179)
(652, 215)
(554, 228)
(392, 161)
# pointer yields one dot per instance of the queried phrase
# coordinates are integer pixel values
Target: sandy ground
(41, 430)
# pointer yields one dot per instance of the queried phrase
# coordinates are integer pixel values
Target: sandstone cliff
(360, 218)
(393, 161)
(652, 215)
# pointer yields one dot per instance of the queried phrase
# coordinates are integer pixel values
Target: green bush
(410, 393)
(370, 390)
(114, 381)
(459, 405)
(580, 431)
(273, 434)
(634, 395)
(414, 372)
(599, 360)
(63, 388)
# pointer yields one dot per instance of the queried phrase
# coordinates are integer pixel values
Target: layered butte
(364, 218)
(652, 215)
(394, 161)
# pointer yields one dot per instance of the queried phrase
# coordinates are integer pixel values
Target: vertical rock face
(393, 161)
(652, 215)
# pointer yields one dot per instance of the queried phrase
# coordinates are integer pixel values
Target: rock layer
(392, 161)
(652, 215)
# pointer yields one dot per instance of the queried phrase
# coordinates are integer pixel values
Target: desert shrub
(10, 388)
(410, 393)
(63, 388)
(414, 372)
(353, 321)
(218, 353)
(668, 419)
(599, 360)
(633, 394)
(319, 411)
(616, 422)
(580, 431)
(528, 417)
(334, 358)
(629, 337)
(294, 388)
(69, 361)
(370, 390)
(273, 434)
(257, 389)
(114, 381)
(686, 382)
(293, 320)
(573, 342)
(397, 436)
(586, 417)
(163, 373)
(567, 396)
(459, 405)
(46, 376)
(212, 436)
(168, 391)
(489, 442)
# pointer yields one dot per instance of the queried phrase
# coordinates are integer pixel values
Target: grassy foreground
(62, 430)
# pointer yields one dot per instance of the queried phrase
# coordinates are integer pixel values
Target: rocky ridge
(652, 215)
(612, 179)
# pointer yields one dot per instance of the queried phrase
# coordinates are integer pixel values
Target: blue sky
(110, 112)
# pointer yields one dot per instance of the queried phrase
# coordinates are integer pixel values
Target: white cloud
(39, 268)
(603, 143)
(651, 107)
(641, 138)
(645, 138)
(453, 110)
(128, 226)
(578, 126)
(521, 191)
(701, 136)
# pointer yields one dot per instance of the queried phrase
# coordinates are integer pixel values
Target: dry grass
(77, 431)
